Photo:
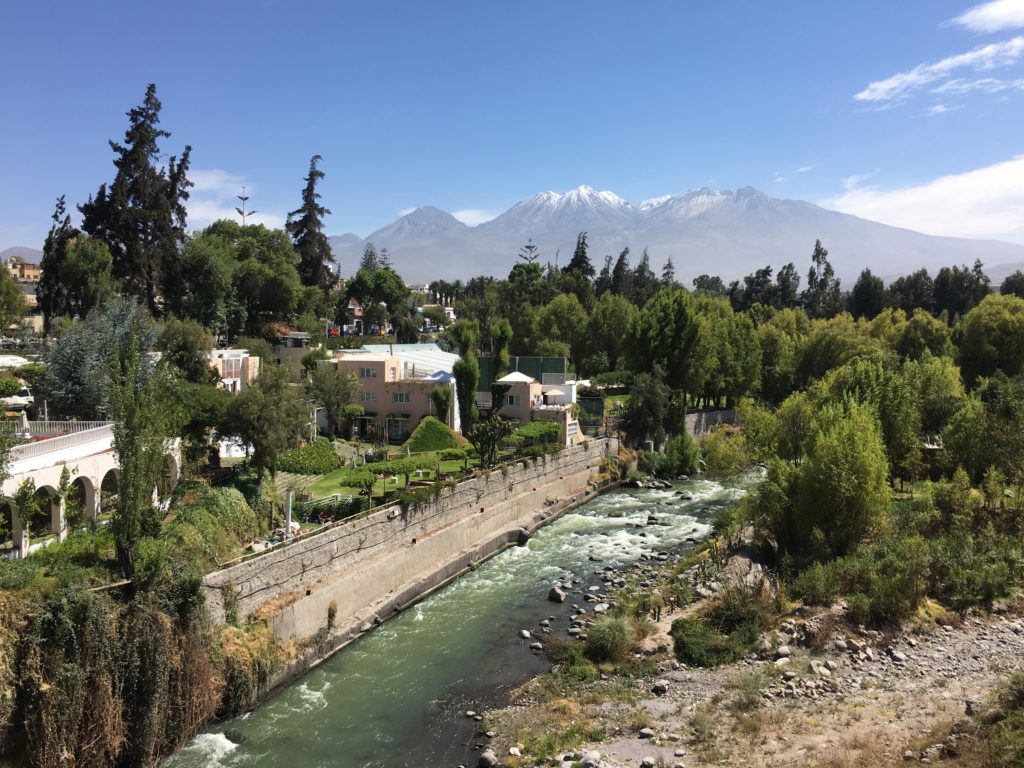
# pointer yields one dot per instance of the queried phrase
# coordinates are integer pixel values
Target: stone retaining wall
(359, 566)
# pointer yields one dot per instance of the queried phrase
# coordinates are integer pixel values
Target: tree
(51, 291)
(787, 283)
(939, 389)
(621, 275)
(77, 363)
(711, 285)
(268, 415)
(529, 253)
(86, 276)
(580, 262)
(466, 370)
(842, 492)
(306, 227)
(12, 301)
(959, 289)
(370, 262)
(487, 437)
(141, 216)
(666, 333)
(993, 338)
(501, 338)
(868, 296)
(441, 397)
(647, 410)
(1013, 285)
(609, 327)
(922, 334)
(142, 425)
(186, 345)
(603, 283)
(643, 282)
(668, 273)
(334, 389)
(563, 319)
(915, 291)
(822, 297)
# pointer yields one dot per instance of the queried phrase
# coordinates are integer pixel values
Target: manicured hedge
(316, 458)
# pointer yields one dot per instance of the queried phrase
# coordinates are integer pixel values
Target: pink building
(395, 393)
(526, 400)
(236, 368)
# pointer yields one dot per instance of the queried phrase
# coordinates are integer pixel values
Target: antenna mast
(241, 211)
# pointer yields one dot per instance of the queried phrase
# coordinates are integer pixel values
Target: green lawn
(331, 483)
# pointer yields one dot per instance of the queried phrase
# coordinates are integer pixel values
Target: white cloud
(985, 203)
(941, 109)
(992, 16)
(960, 86)
(214, 197)
(804, 169)
(981, 59)
(852, 182)
(406, 211)
(474, 216)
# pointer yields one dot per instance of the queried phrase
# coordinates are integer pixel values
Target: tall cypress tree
(51, 292)
(580, 262)
(141, 215)
(306, 226)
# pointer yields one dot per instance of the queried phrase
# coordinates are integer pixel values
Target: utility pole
(241, 211)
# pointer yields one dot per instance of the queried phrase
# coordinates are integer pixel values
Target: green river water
(397, 696)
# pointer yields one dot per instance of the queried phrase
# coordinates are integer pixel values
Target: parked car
(20, 401)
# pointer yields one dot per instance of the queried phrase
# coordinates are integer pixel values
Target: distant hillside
(728, 233)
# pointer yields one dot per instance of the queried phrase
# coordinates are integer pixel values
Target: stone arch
(81, 499)
(52, 507)
(110, 485)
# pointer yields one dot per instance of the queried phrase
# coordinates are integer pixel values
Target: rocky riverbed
(818, 693)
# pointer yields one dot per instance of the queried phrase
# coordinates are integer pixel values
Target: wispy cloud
(406, 211)
(214, 197)
(984, 58)
(960, 86)
(941, 109)
(474, 216)
(993, 16)
(985, 202)
(804, 169)
(853, 182)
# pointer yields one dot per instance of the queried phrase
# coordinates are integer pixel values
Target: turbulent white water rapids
(397, 696)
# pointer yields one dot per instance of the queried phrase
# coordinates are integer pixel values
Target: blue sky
(905, 112)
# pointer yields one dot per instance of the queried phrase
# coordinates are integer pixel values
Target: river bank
(397, 695)
(820, 693)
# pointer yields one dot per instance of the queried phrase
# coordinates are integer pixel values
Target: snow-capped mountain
(727, 233)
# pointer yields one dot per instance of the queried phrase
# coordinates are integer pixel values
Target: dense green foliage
(316, 458)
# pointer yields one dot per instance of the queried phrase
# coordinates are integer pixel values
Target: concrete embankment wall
(372, 566)
(702, 422)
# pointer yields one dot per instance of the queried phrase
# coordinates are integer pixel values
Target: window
(368, 397)
(511, 399)
(367, 373)
(399, 397)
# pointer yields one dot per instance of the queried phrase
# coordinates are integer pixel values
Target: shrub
(433, 435)
(682, 456)
(609, 638)
(725, 452)
(858, 608)
(699, 645)
(817, 585)
(316, 458)
(17, 574)
(9, 386)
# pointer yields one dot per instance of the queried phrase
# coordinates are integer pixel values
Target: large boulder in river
(556, 595)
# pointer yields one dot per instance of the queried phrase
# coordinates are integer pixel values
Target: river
(397, 696)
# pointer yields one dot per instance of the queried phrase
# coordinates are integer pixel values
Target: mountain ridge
(730, 233)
